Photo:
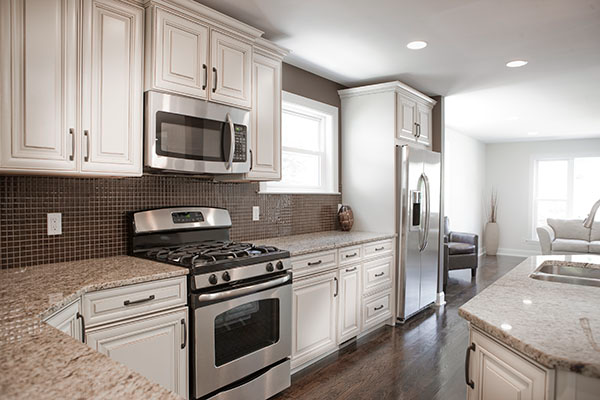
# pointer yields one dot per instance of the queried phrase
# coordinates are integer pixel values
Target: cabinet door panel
(406, 110)
(150, 346)
(181, 55)
(266, 119)
(231, 70)
(424, 121)
(349, 306)
(66, 320)
(313, 332)
(112, 120)
(38, 81)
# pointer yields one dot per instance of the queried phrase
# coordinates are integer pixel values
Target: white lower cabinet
(376, 309)
(497, 373)
(314, 317)
(156, 346)
(68, 320)
(349, 302)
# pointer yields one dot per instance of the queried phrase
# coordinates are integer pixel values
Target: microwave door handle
(232, 144)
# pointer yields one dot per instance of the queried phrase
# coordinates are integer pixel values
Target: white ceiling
(355, 42)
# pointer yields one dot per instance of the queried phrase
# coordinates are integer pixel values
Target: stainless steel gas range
(240, 301)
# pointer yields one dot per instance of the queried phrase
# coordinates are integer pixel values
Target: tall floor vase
(491, 238)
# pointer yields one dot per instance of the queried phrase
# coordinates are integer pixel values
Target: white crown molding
(394, 86)
(210, 15)
(269, 49)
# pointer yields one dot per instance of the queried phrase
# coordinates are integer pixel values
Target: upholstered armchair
(461, 251)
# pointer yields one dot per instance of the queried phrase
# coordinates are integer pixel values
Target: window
(309, 156)
(564, 188)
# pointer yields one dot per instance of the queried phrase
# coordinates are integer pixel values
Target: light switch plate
(255, 213)
(54, 224)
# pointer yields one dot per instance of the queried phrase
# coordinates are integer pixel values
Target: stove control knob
(226, 276)
(213, 279)
(270, 267)
(279, 265)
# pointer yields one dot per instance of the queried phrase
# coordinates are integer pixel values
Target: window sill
(292, 192)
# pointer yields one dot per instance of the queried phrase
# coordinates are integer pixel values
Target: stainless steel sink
(563, 272)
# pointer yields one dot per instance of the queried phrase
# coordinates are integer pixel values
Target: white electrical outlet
(54, 224)
(255, 213)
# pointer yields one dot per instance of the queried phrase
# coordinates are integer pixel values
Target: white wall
(464, 183)
(508, 170)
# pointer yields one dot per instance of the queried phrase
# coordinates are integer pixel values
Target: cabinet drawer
(379, 248)
(349, 255)
(377, 274)
(376, 309)
(314, 263)
(133, 300)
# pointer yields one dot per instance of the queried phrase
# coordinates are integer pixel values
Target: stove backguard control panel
(187, 217)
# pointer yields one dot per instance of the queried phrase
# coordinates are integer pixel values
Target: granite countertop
(555, 324)
(37, 360)
(320, 241)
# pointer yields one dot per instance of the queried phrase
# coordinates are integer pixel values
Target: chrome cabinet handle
(72, 133)
(468, 381)
(351, 255)
(86, 133)
(378, 308)
(80, 316)
(214, 89)
(205, 76)
(184, 333)
(336, 287)
(379, 248)
(129, 302)
(379, 274)
(351, 269)
(232, 144)
(310, 264)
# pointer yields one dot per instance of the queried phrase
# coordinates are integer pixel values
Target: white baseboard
(518, 252)
(440, 299)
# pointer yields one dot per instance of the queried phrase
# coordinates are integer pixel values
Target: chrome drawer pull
(379, 274)
(378, 308)
(129, 302)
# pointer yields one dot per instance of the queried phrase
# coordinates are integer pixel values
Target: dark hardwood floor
(422, 359)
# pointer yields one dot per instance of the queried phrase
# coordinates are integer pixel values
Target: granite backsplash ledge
(94, 222)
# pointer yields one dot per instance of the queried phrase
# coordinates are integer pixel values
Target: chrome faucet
(590, 218)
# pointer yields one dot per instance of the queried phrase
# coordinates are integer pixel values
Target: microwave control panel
(241, 144)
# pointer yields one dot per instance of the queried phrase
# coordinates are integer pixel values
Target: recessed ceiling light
(417, 45)
(533, 133)
(516, 63)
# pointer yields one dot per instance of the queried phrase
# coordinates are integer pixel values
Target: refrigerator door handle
(427, 211)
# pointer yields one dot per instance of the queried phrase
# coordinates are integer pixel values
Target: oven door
(241, 331)
(195, 136)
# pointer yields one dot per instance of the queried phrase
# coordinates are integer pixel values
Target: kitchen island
(535, 339)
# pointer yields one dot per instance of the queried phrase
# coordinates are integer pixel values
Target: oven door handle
(228, 294)
(232, 145)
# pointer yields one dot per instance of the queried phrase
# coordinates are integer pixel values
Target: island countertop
(555, 324)
(39, 361)
(321, 241)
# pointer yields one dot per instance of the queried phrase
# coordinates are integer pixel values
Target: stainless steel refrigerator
(419, 183)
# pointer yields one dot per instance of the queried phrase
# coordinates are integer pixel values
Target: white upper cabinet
(413, 116)
(180, 46)
(230, 61)
(112, 87)
(38, 85)
(265, 141)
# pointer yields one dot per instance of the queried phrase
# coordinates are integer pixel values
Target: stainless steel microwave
(194, 136)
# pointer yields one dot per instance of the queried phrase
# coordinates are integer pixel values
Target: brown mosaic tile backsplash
(93, 213)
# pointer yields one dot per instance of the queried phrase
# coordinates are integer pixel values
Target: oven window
(191, 138)
(246, 329)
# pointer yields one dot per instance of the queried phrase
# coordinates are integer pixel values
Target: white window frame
(533, 199)
(328, 117)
